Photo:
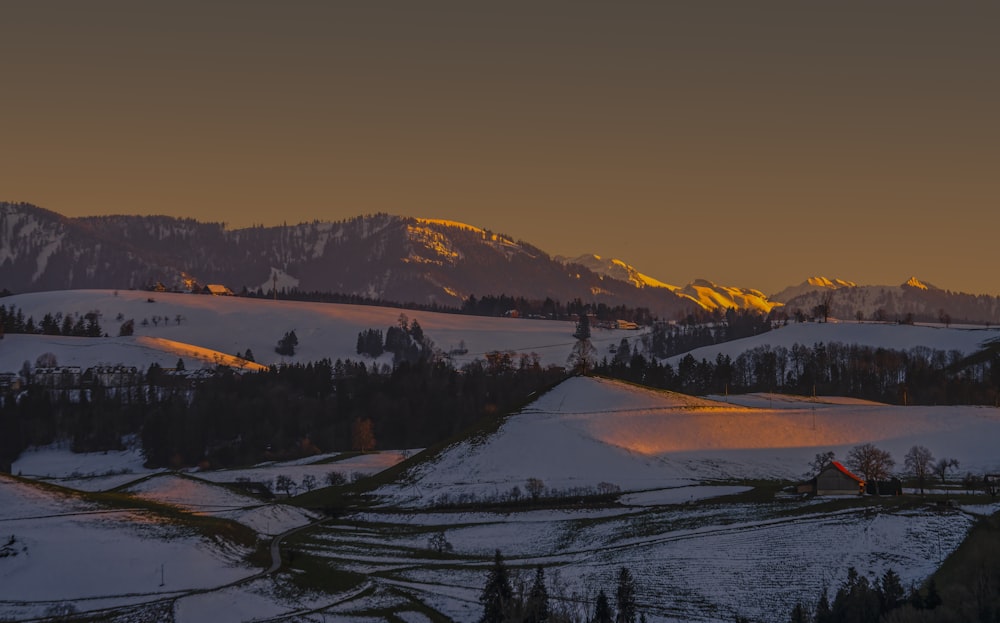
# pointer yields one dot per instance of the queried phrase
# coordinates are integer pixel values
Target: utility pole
(161, 575)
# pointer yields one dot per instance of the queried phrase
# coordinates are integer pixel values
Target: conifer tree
(287, 344)
(625, 597)
(602, 609)
(933, 598)
(823, 612)
(537, 607)
(497, 593)
(890, 590)
(799, 614)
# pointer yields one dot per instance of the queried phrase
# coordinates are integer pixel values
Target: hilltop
(588, 430)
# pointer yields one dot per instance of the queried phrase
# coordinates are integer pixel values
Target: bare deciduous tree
(919, 461)
(822, 460)
(535, 487)
(284, 483)
(942, 466)
(873, 463)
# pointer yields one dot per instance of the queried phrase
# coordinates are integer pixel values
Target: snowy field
(698, 553)
(68, 551)
(877, 335)
(214, 328)
(706, 561)
(703, 543)
(590, 431)
(71, 553)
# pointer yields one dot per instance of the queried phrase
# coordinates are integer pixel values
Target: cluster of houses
(213, 289)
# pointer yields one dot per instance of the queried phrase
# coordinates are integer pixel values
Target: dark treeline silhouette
(12, 320)
(860, 600)
(231, 418)
(508, 596)
(705, 329)
(486, 305)
(917, 376)
(504, 305)
(318, 296)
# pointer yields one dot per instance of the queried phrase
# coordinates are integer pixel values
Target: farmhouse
(217, 290)
(834, 479)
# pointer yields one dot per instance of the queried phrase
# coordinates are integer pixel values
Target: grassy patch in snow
(975, 561)
(315, 573)
(208, 526)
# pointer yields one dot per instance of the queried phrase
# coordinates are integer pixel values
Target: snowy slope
(69, 550)
(704, 293)
(216, 328)
(884, 335)
(204, 498)
(587, 431)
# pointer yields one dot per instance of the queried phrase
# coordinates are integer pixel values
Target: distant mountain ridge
(381, 257)
(913, 299)
(702, 292)
(400, 259)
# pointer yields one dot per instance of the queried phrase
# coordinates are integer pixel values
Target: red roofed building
(834, 479)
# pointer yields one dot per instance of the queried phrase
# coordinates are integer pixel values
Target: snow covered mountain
(377, 256)
(812, 284)
(400, 259)
(702, 292)
(913, 299)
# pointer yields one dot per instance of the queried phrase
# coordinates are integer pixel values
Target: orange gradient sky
(750, 143)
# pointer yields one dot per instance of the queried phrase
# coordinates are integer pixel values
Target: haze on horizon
(753, 144)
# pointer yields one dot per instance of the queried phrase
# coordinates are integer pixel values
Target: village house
(216, 290)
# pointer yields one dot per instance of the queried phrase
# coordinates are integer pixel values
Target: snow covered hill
(212, 329)
(587, 431)
(378, 257)
(966, 340)
(916, 298)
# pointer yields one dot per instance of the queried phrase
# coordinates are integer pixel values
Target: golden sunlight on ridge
(196, 352)
(666, 431)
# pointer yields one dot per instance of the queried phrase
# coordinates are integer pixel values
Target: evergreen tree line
(860, 600)
(232, 418)
(916, 376)
(12, 320)
(488, 305)
(504, 305)
(705, 329)
(321, 296)
(406, 341)
(506, 601)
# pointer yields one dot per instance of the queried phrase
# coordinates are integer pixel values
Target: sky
(750, 143)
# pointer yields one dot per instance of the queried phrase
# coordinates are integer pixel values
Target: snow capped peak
(616, 269)
(823, 282)
(812, 284)
(447, 223)
(913, 282)
(712, 296)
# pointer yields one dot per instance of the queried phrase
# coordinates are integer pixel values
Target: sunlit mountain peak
(823, 282)
(913, 282)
